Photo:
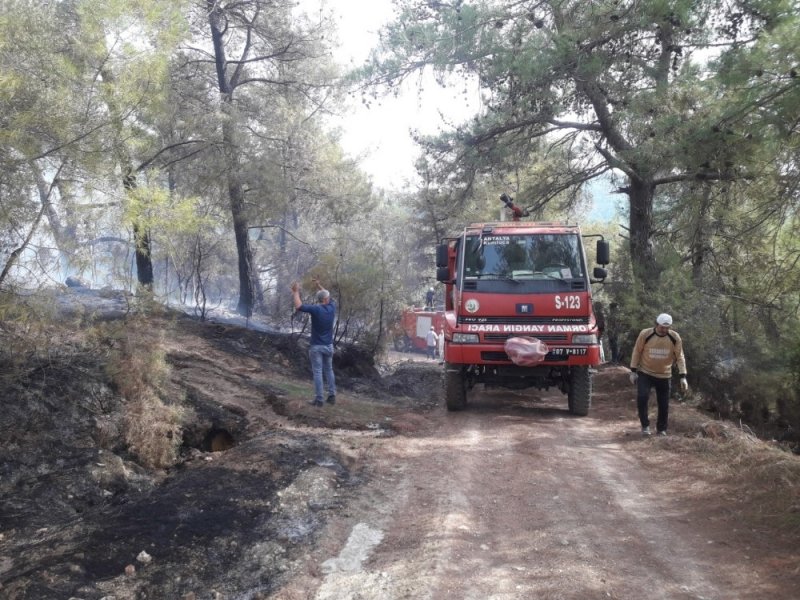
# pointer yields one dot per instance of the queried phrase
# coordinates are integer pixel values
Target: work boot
(646, 431)
(331, 399)
(315, 402)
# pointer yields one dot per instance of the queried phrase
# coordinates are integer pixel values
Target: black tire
(579, 396)
(455, 387)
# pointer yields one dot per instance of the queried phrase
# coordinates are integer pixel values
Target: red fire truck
(520, 279)
(410, 333)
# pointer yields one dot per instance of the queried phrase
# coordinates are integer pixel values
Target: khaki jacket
(654, 354)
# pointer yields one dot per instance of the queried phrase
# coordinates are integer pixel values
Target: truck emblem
(525, 309)
(472, 305)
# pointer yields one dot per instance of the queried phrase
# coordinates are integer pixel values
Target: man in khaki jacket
(656, 350)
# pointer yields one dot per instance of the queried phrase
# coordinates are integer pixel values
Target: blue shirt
(322, 319)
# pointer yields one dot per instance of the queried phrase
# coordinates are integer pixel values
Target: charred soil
(382, 495)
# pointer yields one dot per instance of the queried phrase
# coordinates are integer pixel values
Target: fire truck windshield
(543, 257)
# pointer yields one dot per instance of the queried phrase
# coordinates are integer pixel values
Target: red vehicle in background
(518, 279)
(409, 334)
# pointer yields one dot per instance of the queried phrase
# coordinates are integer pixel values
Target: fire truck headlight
(465, 338)
(584, 339)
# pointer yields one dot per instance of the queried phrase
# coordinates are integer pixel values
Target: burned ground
(76, 508)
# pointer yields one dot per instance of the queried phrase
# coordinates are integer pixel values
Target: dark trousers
(646, 382)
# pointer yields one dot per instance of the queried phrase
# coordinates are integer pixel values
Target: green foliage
(362, 271)
(741, 360)
(155, 208)
(613, 86)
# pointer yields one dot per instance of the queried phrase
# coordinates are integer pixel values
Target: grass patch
(291, 388)
(760, 481)
(137, 367)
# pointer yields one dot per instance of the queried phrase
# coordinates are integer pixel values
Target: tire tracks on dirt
(514, 498)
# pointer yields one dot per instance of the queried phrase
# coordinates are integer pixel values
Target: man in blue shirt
(320, 352)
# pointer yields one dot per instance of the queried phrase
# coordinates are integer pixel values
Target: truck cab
(520, 279)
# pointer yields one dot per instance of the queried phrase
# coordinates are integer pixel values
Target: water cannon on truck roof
(516, 212)
(512, 285)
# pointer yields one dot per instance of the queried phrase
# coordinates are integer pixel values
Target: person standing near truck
(656, 350)
(431, 339)
(429, 298)
(320, 350)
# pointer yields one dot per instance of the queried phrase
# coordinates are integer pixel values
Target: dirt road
(514, 498)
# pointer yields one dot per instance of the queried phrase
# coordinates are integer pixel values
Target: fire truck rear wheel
(579, 397)
(455, 388)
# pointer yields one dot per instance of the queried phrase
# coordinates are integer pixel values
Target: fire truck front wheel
(579, 396)
(455, 387)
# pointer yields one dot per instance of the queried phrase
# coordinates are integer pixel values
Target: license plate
(562, 352)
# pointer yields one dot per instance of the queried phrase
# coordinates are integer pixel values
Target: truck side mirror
(603, 253)
(442, 255)
(599, 274)
(443, 274)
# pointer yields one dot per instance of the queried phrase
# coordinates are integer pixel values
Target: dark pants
(662, 398)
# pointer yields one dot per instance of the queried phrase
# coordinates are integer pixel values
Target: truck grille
(545, 337)
(495, 356)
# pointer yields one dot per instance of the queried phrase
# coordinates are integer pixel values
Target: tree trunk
(248, 283)
(141, 238)
(700, 245)
(144, 261)
(642, 228)
(44, 197)
(63, 235)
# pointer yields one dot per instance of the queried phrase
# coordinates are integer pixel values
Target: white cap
(664, 319)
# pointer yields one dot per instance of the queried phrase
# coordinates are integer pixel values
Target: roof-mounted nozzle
(516, 212)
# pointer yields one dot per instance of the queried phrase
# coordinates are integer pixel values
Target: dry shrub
(107, 431)
(29, 326)
(151, 428)
(763, 478)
